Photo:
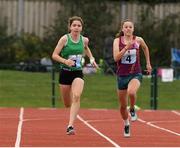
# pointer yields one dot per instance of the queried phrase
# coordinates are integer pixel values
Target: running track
(45, 127)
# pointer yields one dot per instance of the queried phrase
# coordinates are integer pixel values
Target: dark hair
(74, 18)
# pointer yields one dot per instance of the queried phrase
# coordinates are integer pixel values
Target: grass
(29, 89)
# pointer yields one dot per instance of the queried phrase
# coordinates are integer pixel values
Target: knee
(76, 97)
(66, 102)
(131, 93)
(67, 105)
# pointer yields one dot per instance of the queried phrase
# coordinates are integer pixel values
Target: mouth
(129, 32)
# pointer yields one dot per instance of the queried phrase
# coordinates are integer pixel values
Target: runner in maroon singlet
(126, 52)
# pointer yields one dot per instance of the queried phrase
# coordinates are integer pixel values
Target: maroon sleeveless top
(130, 61)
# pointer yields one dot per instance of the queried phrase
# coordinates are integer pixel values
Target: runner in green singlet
(68, 53)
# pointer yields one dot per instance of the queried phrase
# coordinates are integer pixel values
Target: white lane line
(177, 113)
(98, 132)
(19, 130)
(158, 127)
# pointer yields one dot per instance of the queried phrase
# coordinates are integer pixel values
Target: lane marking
(158, 127)
(98, 132)
(172, 121)
(19, 130)
(177, 113)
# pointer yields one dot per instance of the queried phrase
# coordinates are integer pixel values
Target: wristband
(92, 60)
(82, 61)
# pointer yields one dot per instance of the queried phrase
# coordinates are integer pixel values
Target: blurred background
(30, 30)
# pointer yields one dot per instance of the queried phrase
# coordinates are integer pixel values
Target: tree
(95, 16)
(161, 35)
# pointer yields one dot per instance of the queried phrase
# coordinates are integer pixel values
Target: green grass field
(29, 89)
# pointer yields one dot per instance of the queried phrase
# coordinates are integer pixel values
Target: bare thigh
(133, 86)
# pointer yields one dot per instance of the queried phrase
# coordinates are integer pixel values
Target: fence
(40, 89)
(33, 16)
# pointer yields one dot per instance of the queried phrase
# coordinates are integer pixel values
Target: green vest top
(74, 51)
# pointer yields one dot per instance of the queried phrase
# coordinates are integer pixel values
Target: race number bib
(76, 59)
(129, 57)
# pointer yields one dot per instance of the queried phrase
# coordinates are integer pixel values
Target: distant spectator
(47, 63)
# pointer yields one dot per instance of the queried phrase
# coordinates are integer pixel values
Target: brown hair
(74, 18)
(121, 33)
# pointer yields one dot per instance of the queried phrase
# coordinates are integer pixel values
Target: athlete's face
(76, 26)
(128, 28)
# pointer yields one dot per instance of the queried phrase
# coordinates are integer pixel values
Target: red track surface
(102, 128)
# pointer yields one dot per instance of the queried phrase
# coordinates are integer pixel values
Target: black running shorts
(66, 77)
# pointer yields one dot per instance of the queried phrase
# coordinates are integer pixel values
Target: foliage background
(160, 34)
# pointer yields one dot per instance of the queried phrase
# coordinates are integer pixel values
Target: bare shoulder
(63, 39)
(116, 40)
(85, 40)
(139, 39)
(62, 42)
